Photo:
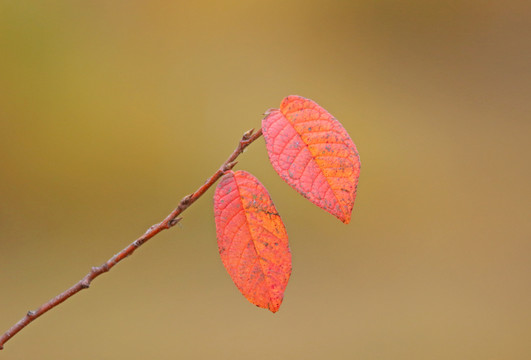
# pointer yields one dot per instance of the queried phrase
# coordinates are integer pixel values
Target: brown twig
(170, 220)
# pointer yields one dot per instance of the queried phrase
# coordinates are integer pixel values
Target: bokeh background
(112, 111)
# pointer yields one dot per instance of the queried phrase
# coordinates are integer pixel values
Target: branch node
(174, 222)
(229, 166)
(147, 232)
(186, 200)
(31, 313)
(100, 269)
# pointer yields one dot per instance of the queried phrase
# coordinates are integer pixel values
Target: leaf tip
(273, 307)
(246, 135)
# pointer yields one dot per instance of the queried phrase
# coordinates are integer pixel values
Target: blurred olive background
(112, 111)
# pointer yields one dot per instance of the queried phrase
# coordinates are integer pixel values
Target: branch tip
(247, 134)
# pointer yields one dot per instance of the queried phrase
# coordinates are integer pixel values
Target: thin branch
(170, 220)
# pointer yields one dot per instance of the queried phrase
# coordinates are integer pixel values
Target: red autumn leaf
(252, 239)
(314, 154)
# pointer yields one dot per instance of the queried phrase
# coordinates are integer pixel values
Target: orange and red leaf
(252, 240)
(314, 154)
